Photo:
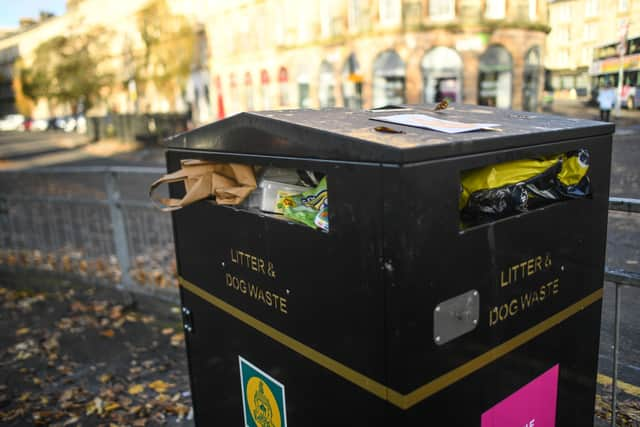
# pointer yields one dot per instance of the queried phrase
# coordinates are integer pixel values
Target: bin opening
(291, 194)
(510, 188)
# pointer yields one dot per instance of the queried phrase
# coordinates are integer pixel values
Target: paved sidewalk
(79, 355)
(103, 149)
(578, 109)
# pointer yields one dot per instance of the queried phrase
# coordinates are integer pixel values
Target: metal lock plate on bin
(456, 316)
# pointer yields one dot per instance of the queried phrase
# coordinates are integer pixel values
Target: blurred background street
(89, 90)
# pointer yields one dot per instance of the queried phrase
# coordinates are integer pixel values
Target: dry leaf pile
(75, 355)
(628, 408)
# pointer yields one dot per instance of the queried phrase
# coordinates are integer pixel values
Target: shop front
(441, 75)
(531, 79)
(495, 77)
(388, 79)
(352, 83)
(326, 85)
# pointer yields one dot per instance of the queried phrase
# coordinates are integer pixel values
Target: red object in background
(264, 77)
(247, 78)
(220, 100)
(283, 76)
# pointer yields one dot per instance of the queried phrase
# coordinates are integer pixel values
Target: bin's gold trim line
(402, 401)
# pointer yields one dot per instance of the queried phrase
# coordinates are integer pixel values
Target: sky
(12, 10)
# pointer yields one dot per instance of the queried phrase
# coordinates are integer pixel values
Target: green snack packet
(322, 219)
(304, 207)
(294, 209)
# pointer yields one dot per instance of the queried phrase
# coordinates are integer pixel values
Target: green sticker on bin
(263, 399)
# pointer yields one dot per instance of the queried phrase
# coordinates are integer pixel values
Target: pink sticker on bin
(534, 405)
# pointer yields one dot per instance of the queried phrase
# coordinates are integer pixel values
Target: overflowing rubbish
(294, 194)
(227, 183)
(518, 186)
(309, 207)
(269, 192)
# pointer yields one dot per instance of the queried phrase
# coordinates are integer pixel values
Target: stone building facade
(267, 54)
(368, 53)
(578, 28)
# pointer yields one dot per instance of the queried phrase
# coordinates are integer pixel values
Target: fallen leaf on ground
(111, 406)
(177, 339)
(136, 389)
(109, 333)
(104, 378)
(167, 331)
(22, 331)
(160, 386)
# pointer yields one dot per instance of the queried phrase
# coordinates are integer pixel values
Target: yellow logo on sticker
(263, 406)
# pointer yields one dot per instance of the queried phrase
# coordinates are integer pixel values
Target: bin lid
(349, 135)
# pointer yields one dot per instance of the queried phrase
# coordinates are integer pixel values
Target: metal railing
(619, 278)
(93, 221)
(98, 222)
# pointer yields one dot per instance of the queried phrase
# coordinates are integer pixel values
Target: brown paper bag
(228, 183)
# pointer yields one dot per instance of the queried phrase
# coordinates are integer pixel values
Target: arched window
(264, 89)
(441, 75)
(531, 79)
(304, 85)
(283, 86)
(495, 76)
(234, 100)
(326, 85)
(352, 83)
(388, 79)
(248, 91)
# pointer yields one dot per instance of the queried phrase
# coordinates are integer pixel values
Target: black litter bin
(411, 310)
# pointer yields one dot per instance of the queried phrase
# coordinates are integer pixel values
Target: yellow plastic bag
(511, 186)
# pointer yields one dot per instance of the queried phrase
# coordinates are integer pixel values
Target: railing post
(118, 229)
(616, 340)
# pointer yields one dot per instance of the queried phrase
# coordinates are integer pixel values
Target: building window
(495, 76)
(283, 84)
(279, 23)
(354, 15)
(326, 19)
(531, 79)
(562, 34)
(233, 94)
(326, 86)
(303, 74)
(303, 23)
(533, 10)
(442, 10)
(352, 83)
(564, 12)
(331, 18)
(623, 5)
(563, 58)
(589, 32)
(591, 8)
(248, 91)
(390, 12)
(441, 75)
(495, 9)
(567, 82)
(264, 89)
(586, 56)
(388, 79)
